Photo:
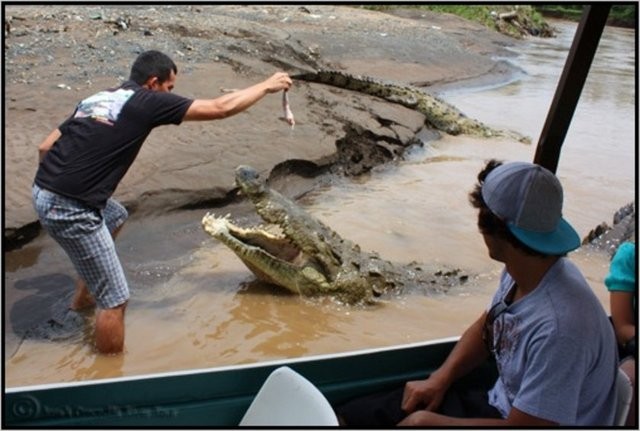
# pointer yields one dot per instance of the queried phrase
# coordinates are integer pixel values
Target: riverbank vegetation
(522, 20)
(620, 15)
(513, 20)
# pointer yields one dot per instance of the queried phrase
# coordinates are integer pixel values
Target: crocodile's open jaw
(283, 237)
(262, 240)
(283, 252)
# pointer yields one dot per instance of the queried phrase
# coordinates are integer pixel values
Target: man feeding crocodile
(553, 344)
(84, 159)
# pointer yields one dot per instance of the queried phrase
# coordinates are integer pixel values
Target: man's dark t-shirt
(102, 138)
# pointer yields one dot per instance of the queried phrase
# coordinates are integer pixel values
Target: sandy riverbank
(57, 55)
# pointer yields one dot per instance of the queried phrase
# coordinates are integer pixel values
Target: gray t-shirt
(556, 351)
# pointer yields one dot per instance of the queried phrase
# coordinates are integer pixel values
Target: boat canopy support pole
(576, 69)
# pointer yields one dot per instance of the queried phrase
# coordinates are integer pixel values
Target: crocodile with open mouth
(307, 257)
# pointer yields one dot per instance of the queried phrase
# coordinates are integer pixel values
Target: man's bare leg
(110, 329)
(82, 298)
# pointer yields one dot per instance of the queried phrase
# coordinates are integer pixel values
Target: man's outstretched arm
(237, 101)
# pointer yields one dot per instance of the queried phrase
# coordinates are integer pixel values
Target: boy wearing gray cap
(552, 341)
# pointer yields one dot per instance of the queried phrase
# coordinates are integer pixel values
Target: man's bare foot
(81, 297)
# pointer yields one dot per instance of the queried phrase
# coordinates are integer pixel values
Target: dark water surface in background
(191, 306)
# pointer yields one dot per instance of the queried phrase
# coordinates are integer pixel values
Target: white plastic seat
(625, 394)
(288, 399)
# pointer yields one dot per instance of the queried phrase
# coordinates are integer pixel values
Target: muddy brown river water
(193, 305)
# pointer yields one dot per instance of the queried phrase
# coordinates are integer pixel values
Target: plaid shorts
(85, 235)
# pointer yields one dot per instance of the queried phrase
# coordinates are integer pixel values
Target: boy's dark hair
(488, 222)
(152, 63)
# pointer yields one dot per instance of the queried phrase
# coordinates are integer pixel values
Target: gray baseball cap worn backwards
(528, 198)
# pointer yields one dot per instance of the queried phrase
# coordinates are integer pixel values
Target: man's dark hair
(488, 222)
(152, 63)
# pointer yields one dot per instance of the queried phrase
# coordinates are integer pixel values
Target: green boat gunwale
(214, 396)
